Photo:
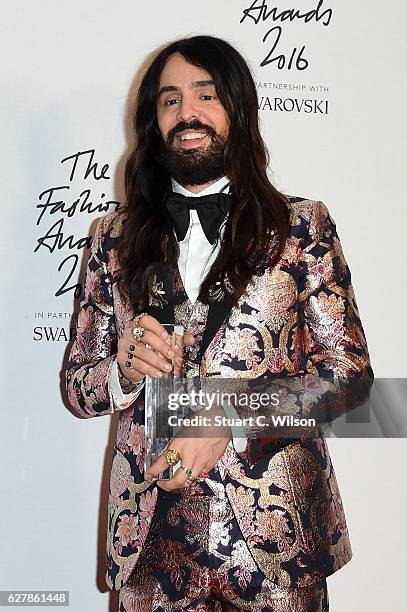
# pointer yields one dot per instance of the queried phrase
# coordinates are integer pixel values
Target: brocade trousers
(195, 558)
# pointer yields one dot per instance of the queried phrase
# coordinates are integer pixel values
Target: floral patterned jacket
(298, 318)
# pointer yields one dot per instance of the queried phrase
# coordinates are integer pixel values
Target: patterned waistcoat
(298, 318)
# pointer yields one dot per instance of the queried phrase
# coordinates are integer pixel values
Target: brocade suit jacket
(300, 317)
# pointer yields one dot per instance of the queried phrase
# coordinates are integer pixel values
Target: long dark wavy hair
(259, 215)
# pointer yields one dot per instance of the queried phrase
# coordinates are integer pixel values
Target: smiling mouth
(191, 136)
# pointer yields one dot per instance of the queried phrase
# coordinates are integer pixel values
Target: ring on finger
(191, 476)
(171, 456)
(138, 332)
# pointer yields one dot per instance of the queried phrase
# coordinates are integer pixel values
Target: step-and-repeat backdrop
(329, 76)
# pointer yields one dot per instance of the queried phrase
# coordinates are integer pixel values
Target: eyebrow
(194, 84)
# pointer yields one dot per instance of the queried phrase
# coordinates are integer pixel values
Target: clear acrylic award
(160, 394)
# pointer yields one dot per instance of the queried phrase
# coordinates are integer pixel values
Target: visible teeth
(191, 136)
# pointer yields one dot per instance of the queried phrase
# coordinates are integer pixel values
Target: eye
(208, 96)
(166, 103)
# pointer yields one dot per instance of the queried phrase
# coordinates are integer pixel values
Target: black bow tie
(212, 210)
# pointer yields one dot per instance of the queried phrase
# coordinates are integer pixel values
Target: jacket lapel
(161, 294)
(219, 310)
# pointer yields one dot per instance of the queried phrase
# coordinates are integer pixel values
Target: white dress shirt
(195, 259)
(196, 253)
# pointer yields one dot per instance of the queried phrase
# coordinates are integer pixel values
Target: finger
(210, 465)
(178, 481)
(150, 358)
(149, 340)
(150, 323)
(180, 477)
(155, 342)
(143, 368)
(178, 360)
(189, 339)
(160, 464)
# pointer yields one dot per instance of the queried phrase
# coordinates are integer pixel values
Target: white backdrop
(69, 70)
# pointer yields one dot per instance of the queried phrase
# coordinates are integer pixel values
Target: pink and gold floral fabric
(300, 317)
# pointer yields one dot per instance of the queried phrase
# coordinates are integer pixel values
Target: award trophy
(158, 408)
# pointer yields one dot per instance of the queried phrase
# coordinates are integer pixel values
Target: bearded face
(193, 153)
(193, 122)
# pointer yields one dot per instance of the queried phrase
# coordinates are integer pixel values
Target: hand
(200, 453)
(147, 361)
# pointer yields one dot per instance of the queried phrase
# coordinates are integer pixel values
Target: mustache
(193, 125)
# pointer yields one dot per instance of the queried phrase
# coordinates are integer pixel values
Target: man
(259, 281)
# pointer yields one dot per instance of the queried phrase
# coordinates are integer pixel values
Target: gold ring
(191, 476)
(172, 456)
(138, 332)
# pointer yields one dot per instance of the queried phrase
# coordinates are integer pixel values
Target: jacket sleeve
(122, 399)
(337, 375)
(332, 374)
(95, 346)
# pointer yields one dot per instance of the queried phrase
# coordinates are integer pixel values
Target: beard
(195, 166)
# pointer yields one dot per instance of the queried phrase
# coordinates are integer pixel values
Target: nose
(187, 110)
